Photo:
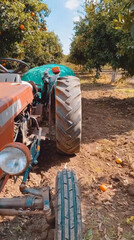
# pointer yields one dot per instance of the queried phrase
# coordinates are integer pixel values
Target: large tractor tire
(68, 220)
(68, 115)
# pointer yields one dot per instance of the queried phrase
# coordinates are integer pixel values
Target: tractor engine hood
(14, 97)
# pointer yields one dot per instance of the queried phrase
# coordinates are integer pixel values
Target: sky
(61, 19)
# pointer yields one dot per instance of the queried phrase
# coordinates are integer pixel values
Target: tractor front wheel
(68, 115)
(68, 221)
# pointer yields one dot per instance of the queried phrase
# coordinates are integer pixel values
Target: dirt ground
(108, 133)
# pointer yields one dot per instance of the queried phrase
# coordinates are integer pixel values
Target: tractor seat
(10, 77)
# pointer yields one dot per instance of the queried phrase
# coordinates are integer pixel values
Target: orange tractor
(23, 105)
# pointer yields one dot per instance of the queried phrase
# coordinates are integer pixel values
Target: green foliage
(99, 41)
(48, 49)
(23, 32)
(125, 18)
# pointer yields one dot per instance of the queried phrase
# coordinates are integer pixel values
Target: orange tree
(98, 40)
(23, 31)
(48, 50)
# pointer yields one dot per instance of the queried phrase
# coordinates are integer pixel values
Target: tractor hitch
(36, 203)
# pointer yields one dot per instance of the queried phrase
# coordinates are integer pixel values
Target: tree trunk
(114, 75)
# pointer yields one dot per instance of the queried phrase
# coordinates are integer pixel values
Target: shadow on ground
(95, 86)
(105, 117)
(26, 228)
(50, 157)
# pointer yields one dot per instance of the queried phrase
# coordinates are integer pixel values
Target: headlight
(14, 158)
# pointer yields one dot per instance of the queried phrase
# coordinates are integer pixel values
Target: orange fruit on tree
(45, 28)
(32, 14)
(4, 64)
(103, 187)
(22, 27)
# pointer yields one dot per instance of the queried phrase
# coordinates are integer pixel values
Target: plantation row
(105, 35)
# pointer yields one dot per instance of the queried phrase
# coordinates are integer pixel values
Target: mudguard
(36, 74)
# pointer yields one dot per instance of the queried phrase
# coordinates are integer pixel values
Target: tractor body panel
(14, 98)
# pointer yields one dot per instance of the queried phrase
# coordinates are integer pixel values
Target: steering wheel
(23, 67)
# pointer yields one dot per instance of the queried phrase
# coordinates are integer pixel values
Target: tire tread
(68, 115)
(68, 214)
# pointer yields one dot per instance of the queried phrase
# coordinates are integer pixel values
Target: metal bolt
(46, 208)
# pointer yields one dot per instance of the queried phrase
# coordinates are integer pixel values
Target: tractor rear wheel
(68, 220)
(68, 115)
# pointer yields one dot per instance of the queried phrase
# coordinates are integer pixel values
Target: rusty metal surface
(14, 98)
(14, 212)
(29, 205)
(10, 92)
(27, 202)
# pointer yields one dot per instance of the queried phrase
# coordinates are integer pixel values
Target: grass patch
(128, 91)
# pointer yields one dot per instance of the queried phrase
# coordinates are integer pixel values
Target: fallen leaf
(120, 230)
(65, 166)
(130, 219)
(106, 237)
(89, 235)
(100, 227)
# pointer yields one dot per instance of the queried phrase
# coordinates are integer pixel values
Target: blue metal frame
(35, 150)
